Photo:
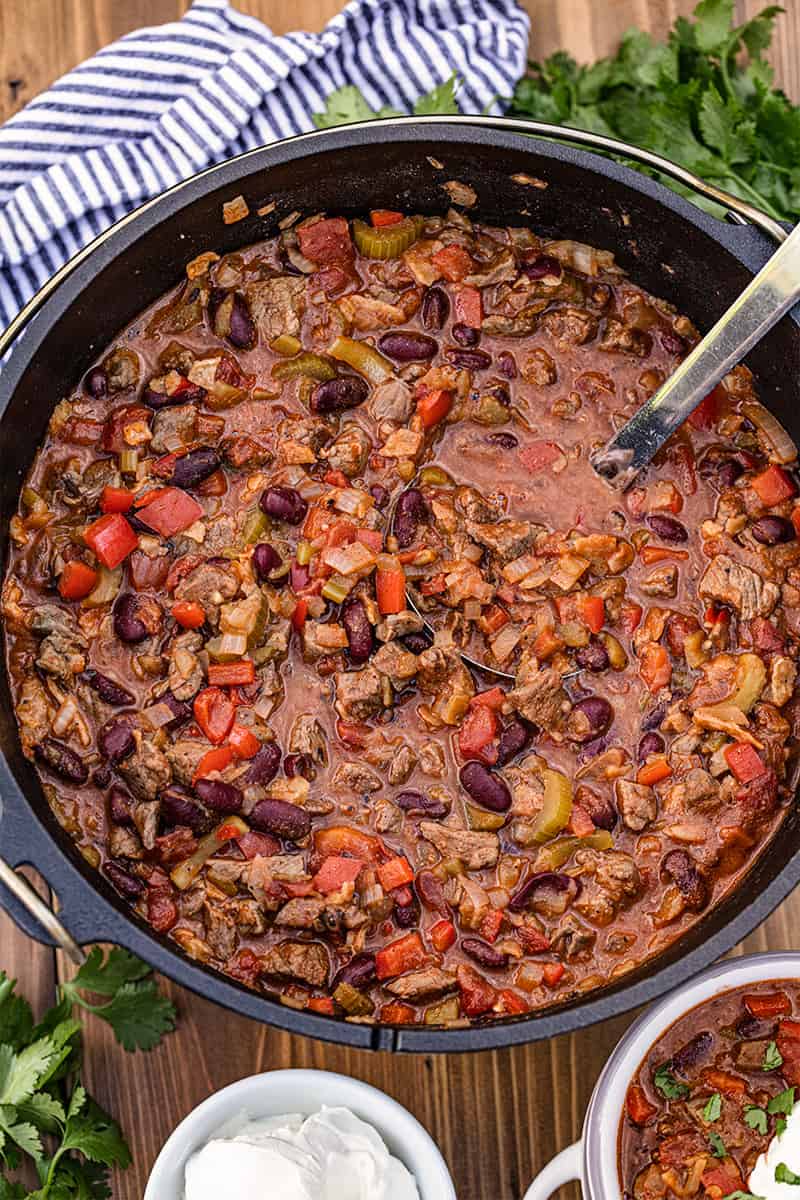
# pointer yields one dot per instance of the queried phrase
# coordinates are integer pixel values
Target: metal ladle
(761, 305)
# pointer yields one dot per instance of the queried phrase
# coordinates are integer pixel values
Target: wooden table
(498, 1116)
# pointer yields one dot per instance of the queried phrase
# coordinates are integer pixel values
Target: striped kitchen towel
(164, 102)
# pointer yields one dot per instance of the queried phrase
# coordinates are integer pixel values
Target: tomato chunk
(744, 761)
(538, 455)
(214, 712)
(170, 512)
(395, 873)
(77, 580)
(114, 499)
(243, 742)
(468, 306)
(773, 485)
(453, 262)
(654, 666)
(326, 241)
(433, 406)
(638, 1107)
(405, 954)
(343, 839)
(335, 872)
(112, 539)
(773, 1004)
(442, 935)
(188, 614)
(477, 733)
(477, 994)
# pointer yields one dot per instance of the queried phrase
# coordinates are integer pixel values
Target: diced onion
(783, 448)
(586, 259)
(65, 716)
(158, 715)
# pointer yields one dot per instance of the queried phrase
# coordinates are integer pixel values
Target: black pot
(666, 244)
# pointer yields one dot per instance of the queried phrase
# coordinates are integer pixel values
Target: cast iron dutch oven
(668, 245)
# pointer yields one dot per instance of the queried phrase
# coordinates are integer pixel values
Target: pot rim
(69, 875)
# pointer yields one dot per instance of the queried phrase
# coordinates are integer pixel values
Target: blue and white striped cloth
(164, 102)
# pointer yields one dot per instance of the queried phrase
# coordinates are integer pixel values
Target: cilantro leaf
(16, 1018)
(666, 1083)
(135, 1010)
(712, 24)
(96, 1136)
(784, 1175)
(442, 99)
(783, 1102)
(105, 976)
(20, 1073)
(713, 1108)
(347, 104)
(740, 1195)
(772, 1058)
(717, 1145)
(755, 1118)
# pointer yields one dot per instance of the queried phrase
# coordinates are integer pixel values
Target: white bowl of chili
(594, 1160)
(278, 1093)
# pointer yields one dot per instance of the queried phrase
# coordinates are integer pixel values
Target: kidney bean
(679, 867)
(593, 657)
(542, 266)
(431, 892)
(590, 718)
(465, 335)
(653, 718)
(772, 530)
(416, 642)
(108, 689)
(667, 528)
(190, 395)
(283, 503)
(192, 468)
(95, 383)
(693, 1052)
(128, 626)
(123, 880)
(101, 777)
(115, 740)
(299, 764)
(513, 740)
(600, 808)
(379, 494)
(359, 972)
(419, 802)
(507, 364)
(435, 308)
(729, 472)
(719, 470)
(756, 1029)
(281, 818)
(553, 882)
(484, 954)
(119, 806)
(406, 907)
(178, 807)
(265, 560)
(220, 796)
(182, 711)
(264, 765)
(485, 788)
(506, 441)
(672, 342)
(358, 630)
(242, 331)
(410, 511)
(650, 743)
(407, 346)
(471, 360)
(336, 395)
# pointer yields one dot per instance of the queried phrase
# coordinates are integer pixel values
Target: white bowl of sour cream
(300, 1135)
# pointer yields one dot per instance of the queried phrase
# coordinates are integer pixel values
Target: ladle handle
(761, 305)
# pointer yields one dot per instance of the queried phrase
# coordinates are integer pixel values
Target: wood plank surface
(497, 1116)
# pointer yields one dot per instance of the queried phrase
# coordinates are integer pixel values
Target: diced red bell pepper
(343, 839)
(233, 674)
(638, 1107)
(509, 1004)
(591, 612)
(371, 538)
(630, 616)
(788, 1040)
(395, 873)
(171, 511)
(477, 732)
(406, 954)
(723, 1180)
(654, 771)
(442, 935)
(335, 872)
(112, 539)
(326, 241)
(453, 262)
(299, 615)
(772, 1004)
(213, 760)
(215, 713)
(468, 306)
(115, 500)
(538, 455)
(744, 761)
(477, 994)
(654, 666)
(707, 411)
(491, 924)
(493, 698)
(773, 485)
(188, 614)
(433, 406)
(243, 742)
(397, 1013)
(336, 479)
(380, 217)
(390, 590)
(321, 1004)
(552, 974)
(77, 580)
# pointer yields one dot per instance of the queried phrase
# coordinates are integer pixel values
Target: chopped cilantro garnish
(784, 1175)
(772, 1058)
(666, 1083)
(717, 1145)
(713, 1108)
(756, 1118)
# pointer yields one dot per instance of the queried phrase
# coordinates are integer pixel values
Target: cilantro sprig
(346, 105)
(46, 1114)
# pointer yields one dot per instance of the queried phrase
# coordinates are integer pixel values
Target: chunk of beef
(174, 428)
(506, 539)
(185, 672)
(300, 913)
(539, 697)
(33, 712)
(147, 771)
(276, 305)
(423, 984)
(184, 758)
(475, 849)
(359, 694)
(572, 939)
(402, 764)
(732, 583)
(220, 930)
(636, 804)
(570, 326)
(145, 815)
(398, 625)
(392, 400)
(397, 663)
(306, 962)
(209, 584)
(619, 338)
(124, 843)
(308, 737)
(349, 451)
(356, 777)
(610, 881)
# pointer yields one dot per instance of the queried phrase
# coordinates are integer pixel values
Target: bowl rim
(407, 1137)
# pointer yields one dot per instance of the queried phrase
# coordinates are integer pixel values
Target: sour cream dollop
(332, 1155)
(784, 1148)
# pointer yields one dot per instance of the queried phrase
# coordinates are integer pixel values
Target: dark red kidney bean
(483, 953)
(590, 718)
(694, 1051)
(359, 972)
(281, 818)
(769, 531)
(542, 266)
(672, 342)
(720, 470)
(283, 503)
(108, 689)
(406, 907)
(416, 642)
(679, 867)
(220, 796)
(552, 882)
(500, 393)
(465, 335)
(115, 740)
(650, 743)
(379, 494)
(506, 441)
(729, 472)
(336, 395)
(128, 626)
(299, 764)
(507, 365)
(181, 710)
(407, 346)
(667, 528)
(192, 468)
(471, 360)
(435, 308)
(653, 718)
(119, 806)
(265, 560)
(358, 630)
(419, 802)
(101, 777)
(431, 892)
(263, 766)
(410, 511)
(600, 808)
(593, 657)
(179, 807)
(485, 788)
(124, 881)
(513, 740)
(242, 331)
(755, 1028)
(95, 383)
(190, 395)
(299, 576)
